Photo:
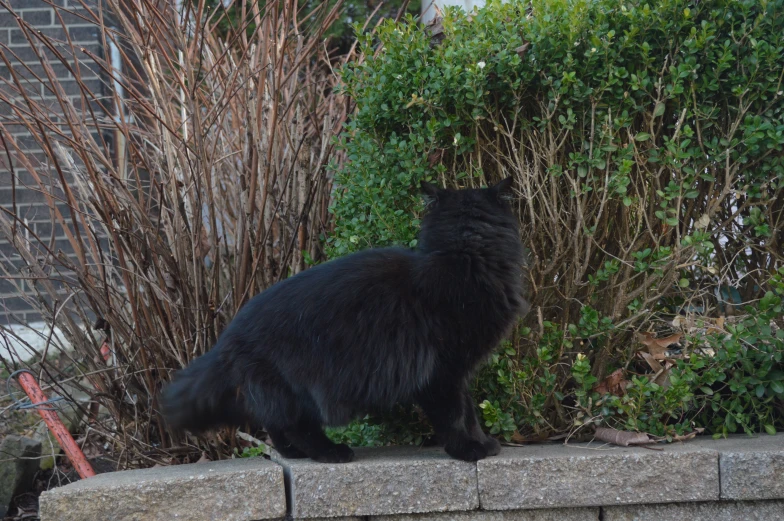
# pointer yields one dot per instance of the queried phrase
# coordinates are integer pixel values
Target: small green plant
(362, 433)
(252, 452)
(499, 422)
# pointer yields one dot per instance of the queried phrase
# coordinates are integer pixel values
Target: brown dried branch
(200, 185)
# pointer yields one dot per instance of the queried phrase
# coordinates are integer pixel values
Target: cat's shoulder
(372, 260)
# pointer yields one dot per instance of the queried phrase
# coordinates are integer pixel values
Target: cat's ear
(504, 190)
(430, 193)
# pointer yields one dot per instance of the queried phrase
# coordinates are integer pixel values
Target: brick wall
(30, 203)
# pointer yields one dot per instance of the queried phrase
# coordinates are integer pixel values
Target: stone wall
(702, 480)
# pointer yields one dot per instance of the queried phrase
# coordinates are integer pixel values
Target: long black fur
(362, 333)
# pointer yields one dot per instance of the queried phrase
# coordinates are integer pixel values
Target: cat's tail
(200, 397)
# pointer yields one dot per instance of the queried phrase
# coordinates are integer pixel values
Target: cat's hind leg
(308, 436)
(271, 404)
(474, 428)
(284, 446)
(292, 420)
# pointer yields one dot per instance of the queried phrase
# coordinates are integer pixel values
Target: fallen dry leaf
(622, 438)
(435, 157)
(717, 327)
(204, 458)
(652, 362)
(703, 221)
(662, 378)
(658, 346)
(519, 439)
(689, 436)
(679, 321)
(682, 437)
(614, 384)
(436, 29)
(661, 373)
(698, 325)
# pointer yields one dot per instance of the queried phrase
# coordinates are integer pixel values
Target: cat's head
(457, 218)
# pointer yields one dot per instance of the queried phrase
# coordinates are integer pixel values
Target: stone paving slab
(383, 481)
(715, 511)
(232, 490)
(557, 476)
(550, 514)
(751, 468)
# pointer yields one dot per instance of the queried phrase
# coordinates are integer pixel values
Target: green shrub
(646, 142)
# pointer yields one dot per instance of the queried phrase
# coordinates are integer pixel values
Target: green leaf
(659, 110)
(707, 390)
(684, 283)
(642, 136)
(777, 387)
(770, 429)
(760, 390)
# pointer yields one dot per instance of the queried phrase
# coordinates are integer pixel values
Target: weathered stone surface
(352, 518)
(50, 447)
(18, 465)
(716, 511)
(549, 514)
(390, 480)
(551, 476)
(751, 468)
(233, 490)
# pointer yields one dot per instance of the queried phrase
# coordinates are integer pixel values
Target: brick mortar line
(66, 45)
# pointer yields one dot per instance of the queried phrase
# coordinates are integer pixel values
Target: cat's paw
(468, 451)
(430, 441)
(290, 452)
(339, 453)
(492, 446)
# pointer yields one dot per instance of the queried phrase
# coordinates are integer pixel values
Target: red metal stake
(64, 438)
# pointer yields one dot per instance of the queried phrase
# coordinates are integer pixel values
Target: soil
(24, 507)
(24, 423)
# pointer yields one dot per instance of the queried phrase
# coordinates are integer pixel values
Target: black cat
(362, 333)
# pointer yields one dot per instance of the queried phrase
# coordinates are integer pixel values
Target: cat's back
(368, 269)
(348, 284)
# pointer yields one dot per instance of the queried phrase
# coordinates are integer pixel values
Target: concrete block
(550, 514)
(555, 476)
(389, 480)
(716, 511)
(18, 465)
(232, 490)
(752, 468)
